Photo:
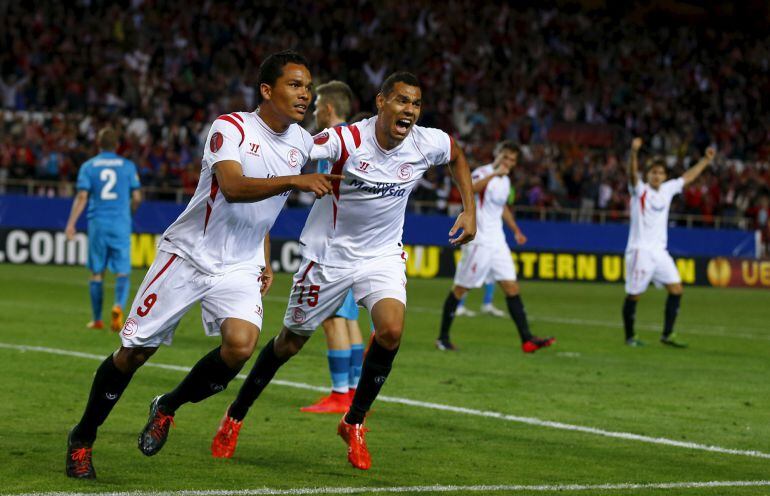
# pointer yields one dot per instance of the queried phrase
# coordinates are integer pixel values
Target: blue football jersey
(109, 179)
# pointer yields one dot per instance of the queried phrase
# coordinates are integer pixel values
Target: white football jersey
(649, 214)
(364, 218)
(218, 236)
(490, 203)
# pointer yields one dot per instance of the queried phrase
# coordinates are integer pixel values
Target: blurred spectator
(161, 72)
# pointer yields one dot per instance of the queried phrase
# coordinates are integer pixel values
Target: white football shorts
(318, 291)
(481, 264)
(173, 285)
(644, 265)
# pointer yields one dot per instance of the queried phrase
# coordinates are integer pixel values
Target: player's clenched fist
(636, 144)
(710, 153)
(319, 184)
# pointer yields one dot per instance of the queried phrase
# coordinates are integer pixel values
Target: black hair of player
(398, 77)
(657, 161)
(272, 68)
(509, 145)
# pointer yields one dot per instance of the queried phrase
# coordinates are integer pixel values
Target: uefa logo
(217, 140)
(405, 172)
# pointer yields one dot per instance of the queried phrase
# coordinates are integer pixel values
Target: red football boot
(334, 403)
(354, 436)
(226, 439)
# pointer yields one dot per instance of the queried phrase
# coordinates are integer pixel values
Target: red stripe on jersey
(212, 197)
(235, 114)
(234, 123)
(304, 274)
(170, 261)
(642, 200)
(356, 135)
(337, 169)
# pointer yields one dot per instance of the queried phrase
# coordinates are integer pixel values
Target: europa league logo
(719, 272)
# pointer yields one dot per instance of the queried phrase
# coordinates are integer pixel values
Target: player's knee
(237, 354)
(459, 291)
(288, 344)
(128, 360)
(389, 335)
(510, 288)
(675, 289)
(96, 277)
(633, 297)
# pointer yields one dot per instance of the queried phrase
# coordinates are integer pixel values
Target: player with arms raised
(352, 240)
(215, 253)
(647, 257)
(488, 258)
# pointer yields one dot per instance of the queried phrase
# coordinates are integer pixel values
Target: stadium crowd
(161, 71)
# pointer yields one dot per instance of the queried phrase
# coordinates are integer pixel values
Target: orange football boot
(354, 436)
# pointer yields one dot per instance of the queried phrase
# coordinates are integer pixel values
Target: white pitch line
(446, 408)
(422, 489)
(710, 330)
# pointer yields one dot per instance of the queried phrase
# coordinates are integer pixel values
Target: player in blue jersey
(109, 185)
(343, 336)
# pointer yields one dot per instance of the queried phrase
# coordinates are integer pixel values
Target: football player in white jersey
(352, 240)
(488, 258)
(647, 257)
(345, 354)
(215, 253)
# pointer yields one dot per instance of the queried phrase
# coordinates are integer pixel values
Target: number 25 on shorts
(148, 303)
(312, 295)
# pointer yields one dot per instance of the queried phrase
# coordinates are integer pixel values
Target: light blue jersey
(109, 180)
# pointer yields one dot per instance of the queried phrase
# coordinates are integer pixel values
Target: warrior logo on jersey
(405, 172)
(293, 157)
(216, 142)
(321, 138)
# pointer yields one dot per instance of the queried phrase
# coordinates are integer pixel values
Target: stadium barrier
(31, 232)
(43, 247)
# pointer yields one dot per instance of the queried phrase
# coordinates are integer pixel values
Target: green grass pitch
(717, 393)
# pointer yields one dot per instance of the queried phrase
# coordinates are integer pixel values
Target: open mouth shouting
(402, 126)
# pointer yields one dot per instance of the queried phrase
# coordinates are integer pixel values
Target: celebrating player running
(352, 239)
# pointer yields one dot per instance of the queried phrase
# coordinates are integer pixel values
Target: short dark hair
(398, 77)
(656, 161)
(272, 68)
(509, 145)
(339, 95)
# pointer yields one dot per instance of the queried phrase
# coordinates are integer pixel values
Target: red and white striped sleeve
(327, 145)
(224, 140)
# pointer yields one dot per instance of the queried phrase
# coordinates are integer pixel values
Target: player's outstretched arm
(466, 221)
(237, 188)
(633, 162)
(692, 173)
(81, 200)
